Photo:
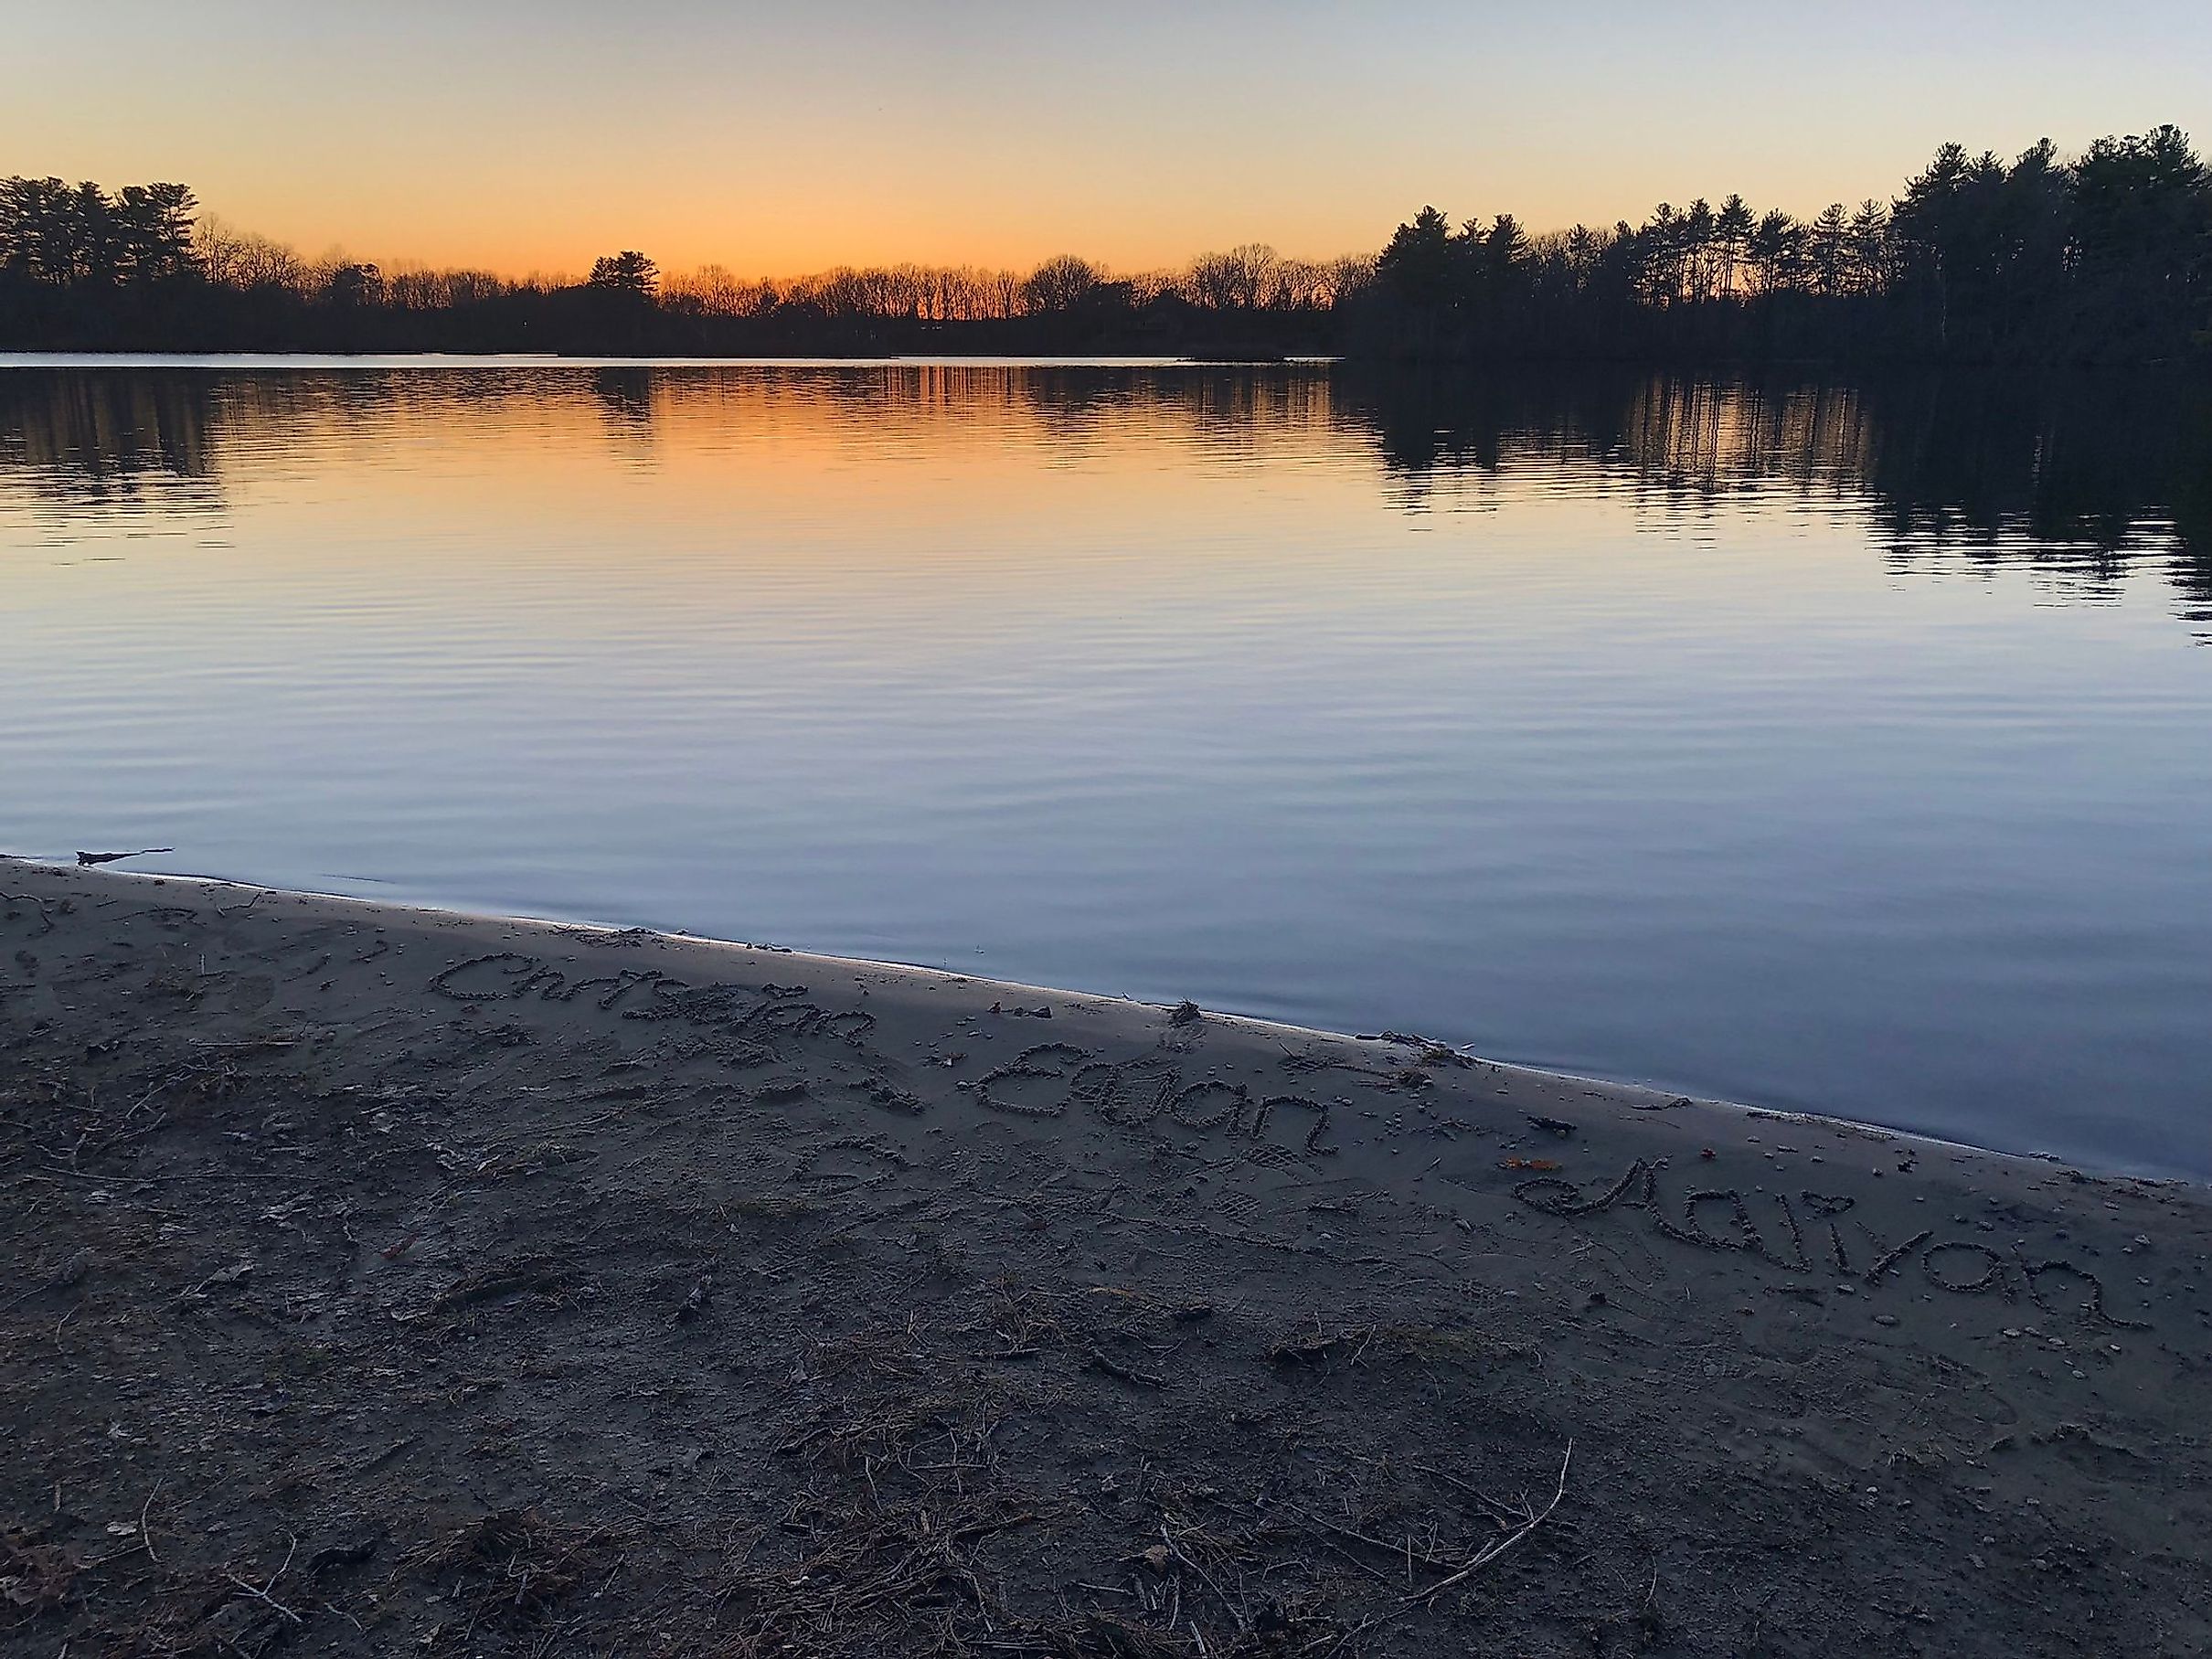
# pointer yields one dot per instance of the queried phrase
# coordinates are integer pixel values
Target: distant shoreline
(2191, 369)
(312, 359)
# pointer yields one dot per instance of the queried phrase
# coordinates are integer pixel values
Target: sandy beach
(385, 1280)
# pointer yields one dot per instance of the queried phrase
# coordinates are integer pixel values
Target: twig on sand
(1498, 1546)
(261, 1592)
(84, 858)
(145, 1533)
(378, 1459)
(1128, 1374)
(1242, 1617)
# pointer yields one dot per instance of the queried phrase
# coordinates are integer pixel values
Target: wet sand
(396, 1280)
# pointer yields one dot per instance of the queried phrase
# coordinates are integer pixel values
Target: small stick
(1113, 1367)
(85, 858)
(145, 1533)
(262, 1593)
(385, 1456)
(1491, 1551)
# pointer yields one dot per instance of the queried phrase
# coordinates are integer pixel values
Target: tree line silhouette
(217, 289)
(2107, 257)
(2103, 257)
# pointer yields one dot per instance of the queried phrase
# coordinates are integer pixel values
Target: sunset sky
(789, 138)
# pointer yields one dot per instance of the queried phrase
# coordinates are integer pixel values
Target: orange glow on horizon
(522, 138)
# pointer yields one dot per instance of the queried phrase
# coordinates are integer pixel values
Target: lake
(1844, 747)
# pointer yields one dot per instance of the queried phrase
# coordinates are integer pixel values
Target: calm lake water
(1822, 746)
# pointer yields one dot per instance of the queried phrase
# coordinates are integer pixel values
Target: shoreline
(551, 1286)
(1627, 1087)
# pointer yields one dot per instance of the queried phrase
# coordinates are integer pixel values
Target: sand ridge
(465, 1284)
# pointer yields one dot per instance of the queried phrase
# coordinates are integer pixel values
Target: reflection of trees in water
(1078, 404)
(2090, 477)
(165, 438)
(108, 438)
(625, 399)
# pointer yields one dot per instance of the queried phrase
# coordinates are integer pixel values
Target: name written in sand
(1814, 1233)
(1961, 1267)
(1045, 1081)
